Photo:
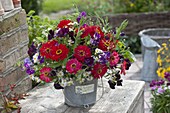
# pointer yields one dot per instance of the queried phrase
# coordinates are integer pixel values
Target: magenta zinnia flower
(81, 52)
(114, 58)
(45, 74)
(73, 65)
(99, 70)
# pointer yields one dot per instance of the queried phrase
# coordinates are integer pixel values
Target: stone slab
(126, 99)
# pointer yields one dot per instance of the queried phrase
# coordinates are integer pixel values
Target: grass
(57, 5)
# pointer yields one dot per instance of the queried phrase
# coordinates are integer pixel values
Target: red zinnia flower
(99, 70)
(123, 67)
(81, 52)
(114, 58)
(59, 52)
(91, 30)
(45, 49)
(73, 65)
(106, 44)
(63, 24)
(45, 74)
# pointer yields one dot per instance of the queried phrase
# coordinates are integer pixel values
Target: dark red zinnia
(59, 52)
(106, 44)
(45, 49)
(64, 23)
(99, 70)
(81, 52)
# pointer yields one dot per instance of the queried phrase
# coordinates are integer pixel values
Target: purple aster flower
(27, 63)
(89, 61)
(41, 60)
(114, 32)
(167, 76)
(94, 42)
(160, 82)
(32, 50)
(153, 88)
(97, 36)
(30, 71)
(51, 35)
(107, 54)
(122, 34)
(153, 83)
(102, 59)
(160, 90)
(63, 32)
(78, 19)
(82, 14)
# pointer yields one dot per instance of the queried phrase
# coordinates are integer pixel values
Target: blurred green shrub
(134, 43)
(103, 7)
(35, 5)
(129, 6)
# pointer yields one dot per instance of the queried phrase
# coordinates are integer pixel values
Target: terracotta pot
(17, 3)
(7, 5)
(1, 9)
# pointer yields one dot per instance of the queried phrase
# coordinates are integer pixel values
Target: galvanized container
(81, 95)
(160, 35)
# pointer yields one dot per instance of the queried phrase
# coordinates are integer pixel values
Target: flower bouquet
(161, 88)
(77, 50)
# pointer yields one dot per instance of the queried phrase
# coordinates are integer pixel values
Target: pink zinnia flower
(99, 70)
(45, 74)
(73, 65)
(114, 58)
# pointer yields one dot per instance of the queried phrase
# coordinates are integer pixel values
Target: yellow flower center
(106, 43)
(73, 65)
(46, 74)
(82, 53)
(99, 71)
(59, 51)
(48, 50)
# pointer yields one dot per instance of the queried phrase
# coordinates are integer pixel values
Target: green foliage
(35, 5)
(39, 27)
(103, 7)
(100, 7)
(161, 102)
(50, 6)
(133, 42)
(129, 6)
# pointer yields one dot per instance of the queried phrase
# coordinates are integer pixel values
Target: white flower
(70, 42)
(60, 74)
(35, 58)
(37, 79)
(89, 78)
(97, 51)
(44, 33)
(85, 74)
(63, 83)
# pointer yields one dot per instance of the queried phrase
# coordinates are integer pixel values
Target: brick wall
(140, 21)
(13, 47)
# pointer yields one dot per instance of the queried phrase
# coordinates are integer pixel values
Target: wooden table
(128, 98)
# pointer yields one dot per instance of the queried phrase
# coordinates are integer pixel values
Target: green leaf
(40, 39)
(130, 56)
(121, 27)
(31, 13)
